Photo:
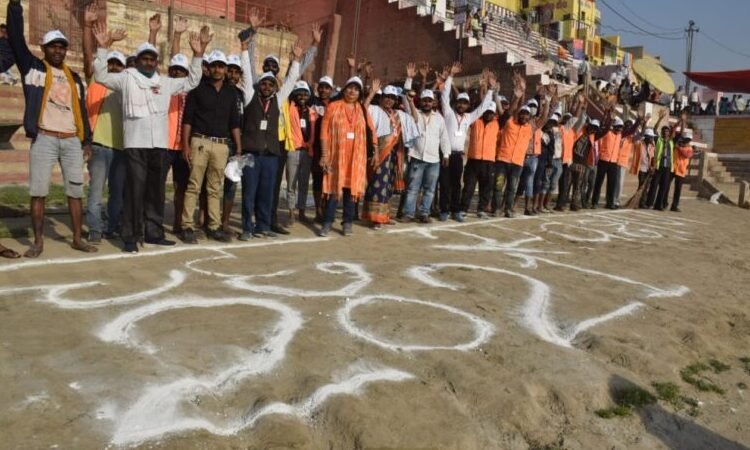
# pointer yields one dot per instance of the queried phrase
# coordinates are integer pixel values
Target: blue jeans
(527, 176)
(257, 193)
(98, 165)
(511, 173)
(552, 178)
(348, 208)
(422, 176)
(116, 182)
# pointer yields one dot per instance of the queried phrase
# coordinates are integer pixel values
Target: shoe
(528, 212)
(656, 208)
(245, 236)
(546, 210)
(163, 242)
(130, 247)
(111, 235)
(425, 219)
(443, 216)
(267, 234)
(482, 215)
(674, 209)
(347, 229)
(594, 206)
(574, 208)
(459, 217)
(406, 219)
(188, 237)
(95, 237)
(509, 214)
(559, 209)
(276, 228)
(325, 230)
(219, 235)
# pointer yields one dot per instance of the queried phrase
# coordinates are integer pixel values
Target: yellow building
(568, 21)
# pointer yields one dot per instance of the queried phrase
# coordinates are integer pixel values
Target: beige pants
(208, 160)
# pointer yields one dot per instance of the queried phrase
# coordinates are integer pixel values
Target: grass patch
(745, 360)
(18, 196)
(718, 366)
(692, 375)
(668, 392)
(628, 400)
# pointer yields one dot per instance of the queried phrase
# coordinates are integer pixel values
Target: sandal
(34, 251)
(9, 253)
(85, 248)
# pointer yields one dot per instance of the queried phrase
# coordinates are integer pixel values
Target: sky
(726, 21)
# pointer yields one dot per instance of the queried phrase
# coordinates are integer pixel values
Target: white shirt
(555, 134)
(382, 123)
(153, 131)
(433, 138)
(247, 83)
(458, 125)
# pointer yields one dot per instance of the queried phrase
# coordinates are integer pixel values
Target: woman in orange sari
(343, 140)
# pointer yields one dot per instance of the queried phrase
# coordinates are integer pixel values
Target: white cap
(525, 108)
(533, 102)
(427, 94)
(274, 58)
(555, 117)
(491, 106)
(390, 90)
(301, 86)
(326, 80)
(146, 47)
(687, 134)
(266, 76)
(595, 123)
(217, 56)
(618, 122)
(234, 60)
(502, 99)
(233, 171)
(649, 132)
(114, 54)
(54, 36)
(463, 96)
(355, 80)
(179, 60)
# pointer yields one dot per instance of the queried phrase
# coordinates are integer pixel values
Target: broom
(635, 200)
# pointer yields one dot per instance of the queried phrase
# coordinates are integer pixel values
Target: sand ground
(495, 334)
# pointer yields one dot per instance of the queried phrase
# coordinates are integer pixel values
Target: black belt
(212, 139)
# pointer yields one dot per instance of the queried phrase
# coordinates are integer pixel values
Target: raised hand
(180, 25)
(101, 35)
(411, 70)
(117, 35)
(424, 68)
(519, 85)
(91, 14)
(154, 23)
(254, 18)
(195, 43)
(317, 33)
(351, 61)
(205, 37)
(376, 84)
(296, 51)
(456, 68)
(369, 69)
(492, 81)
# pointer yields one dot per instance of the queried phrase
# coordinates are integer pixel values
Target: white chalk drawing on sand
(483, 330)
(534, 314)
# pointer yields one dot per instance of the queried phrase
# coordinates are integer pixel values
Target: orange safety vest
(682, 157)
(569, 136)
(484, 140)
(626, 148)
(609, 147)
(514, 141)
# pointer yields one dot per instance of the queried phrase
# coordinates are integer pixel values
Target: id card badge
(263, 125)
(303, 123)
(350, 135)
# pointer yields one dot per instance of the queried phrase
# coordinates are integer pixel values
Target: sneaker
(443, 216)
(130, 247)
(675, 209)
(325, 230)
(188, 237)
(425, 219)
(546, 210)
(559, 209)
(482, 215)
(111, 235)
(574, 208)
(276, 228)
(95, 237)
(406, 219)
(219, 235)
(245, 236)
(459, 217)
(509, 214)
(163, 242)
(347, 229)
(270, 234)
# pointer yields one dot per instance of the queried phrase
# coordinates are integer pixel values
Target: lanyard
(265, 104)
(350, 116)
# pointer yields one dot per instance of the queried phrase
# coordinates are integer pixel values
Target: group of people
(216, 123)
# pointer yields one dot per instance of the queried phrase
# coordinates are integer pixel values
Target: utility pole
(690, 30)
(355, 38)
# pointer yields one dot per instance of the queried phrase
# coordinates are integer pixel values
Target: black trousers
(578, 174)
(659, 189)
(678, 182)
(563, 187)
(642, 178)
(611, 172)
(483, 173)
(587, 185)
(277, 186)
(143, 215)
(450, 183)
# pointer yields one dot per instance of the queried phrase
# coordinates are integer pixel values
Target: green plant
(615, 411)
(668, 392)
(718, 366)
(692, 375)
(745, 360)
(627, 399)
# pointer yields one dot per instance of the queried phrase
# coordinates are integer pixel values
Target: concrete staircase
(729, 175)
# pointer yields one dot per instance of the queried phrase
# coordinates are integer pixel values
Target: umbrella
(651, 70)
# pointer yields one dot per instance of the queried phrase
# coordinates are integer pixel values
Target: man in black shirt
(211, 121)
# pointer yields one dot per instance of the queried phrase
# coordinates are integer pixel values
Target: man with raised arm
(146, 96)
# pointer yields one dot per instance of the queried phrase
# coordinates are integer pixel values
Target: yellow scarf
(75, 101)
